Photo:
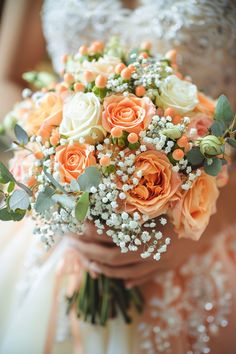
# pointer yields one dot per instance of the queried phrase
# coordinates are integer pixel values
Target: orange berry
(160, 112)
(116, 132)
(105, 161)
(126, 74)
(78, 86)
(132, 138)
(54, 139)
(65, 58)
(169, 112)
(183, 141)
(132, 68)
(146, 45)
(176, 119)
(140, 91)
(83, 50)
(69, 78)
(119, 68)
(88, 76)
(171, 55)
(101, 81)
(96, 47)
(31, 181)
(39, 155)
(144, 55)
(187, 147)
(178, 154)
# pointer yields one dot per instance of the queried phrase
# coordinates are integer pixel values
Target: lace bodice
(202, 31)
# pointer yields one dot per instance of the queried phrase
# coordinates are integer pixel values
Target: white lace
(202, 30)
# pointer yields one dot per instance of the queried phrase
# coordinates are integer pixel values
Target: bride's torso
(203, 32)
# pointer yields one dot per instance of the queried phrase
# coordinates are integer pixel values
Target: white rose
(178, 94)
(103, 66)
(82, 118)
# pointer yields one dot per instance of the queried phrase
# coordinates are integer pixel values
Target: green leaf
(82, 206)
(19, 200)
(44, 200)
(231, 142)
(195, 156)
(64, 200)
(53, 181)
(214, 168)
(5, 175)
(134, 146)
(90, 178)
(223, 111)
(218, 128)
(21, 135)
(7, 215)
(24, 187)
(11, 187)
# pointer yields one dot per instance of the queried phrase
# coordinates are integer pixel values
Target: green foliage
(11, 187)
(21, 135)
(195, 156)
(44, 200)
(90, 178)
(7, 215)
(74, 186)
(82, 206)
(64, 200)
(19, 200)
(5, 175)
(134, 146)
(53, 181)
(223, 111)
(212, 166)
(231, 142)
(218, 128)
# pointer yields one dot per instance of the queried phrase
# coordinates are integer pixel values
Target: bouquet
(122, 140)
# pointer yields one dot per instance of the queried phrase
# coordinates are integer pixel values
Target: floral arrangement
(123, 141)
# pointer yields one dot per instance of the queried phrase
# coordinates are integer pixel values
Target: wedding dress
(186, 308)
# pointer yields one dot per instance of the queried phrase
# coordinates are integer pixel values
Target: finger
(125, 272)
(105, 254)
(131, 283)
(86, 264)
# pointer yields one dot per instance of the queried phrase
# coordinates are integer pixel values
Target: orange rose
(130, 113)
(156, 187)
(73, 160)
(191, 214)
(45, 116)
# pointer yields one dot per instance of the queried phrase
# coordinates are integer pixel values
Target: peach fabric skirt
(191, 310)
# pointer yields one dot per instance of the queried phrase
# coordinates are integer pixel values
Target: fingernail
(128, 285)
(95, 268)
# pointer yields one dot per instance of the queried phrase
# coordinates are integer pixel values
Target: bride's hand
(99, 255)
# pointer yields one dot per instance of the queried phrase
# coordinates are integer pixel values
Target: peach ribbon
(69, 267)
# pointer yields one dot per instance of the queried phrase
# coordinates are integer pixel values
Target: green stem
(105, 300)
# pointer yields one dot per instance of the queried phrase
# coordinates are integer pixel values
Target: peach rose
(201, 122)
(191, 214)
(157, 186)
(45, 116)
(20, 165)
(130, 113)
(206, 104)
(73, 160)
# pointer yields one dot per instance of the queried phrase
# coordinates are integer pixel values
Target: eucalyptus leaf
(44, 200)
(231, 142)
(195, 156)
(64, 200)
(5, 175)
(19, 200)
(82, 207)
(223, 111)
(11, 187)
(6, 215)
(218, 128)
(214, 168)
(74, 186)
(24, 187)
(53, 181)
(90, 178)
(21, 135)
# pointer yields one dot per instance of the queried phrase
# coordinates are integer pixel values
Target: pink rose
(201, 122)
